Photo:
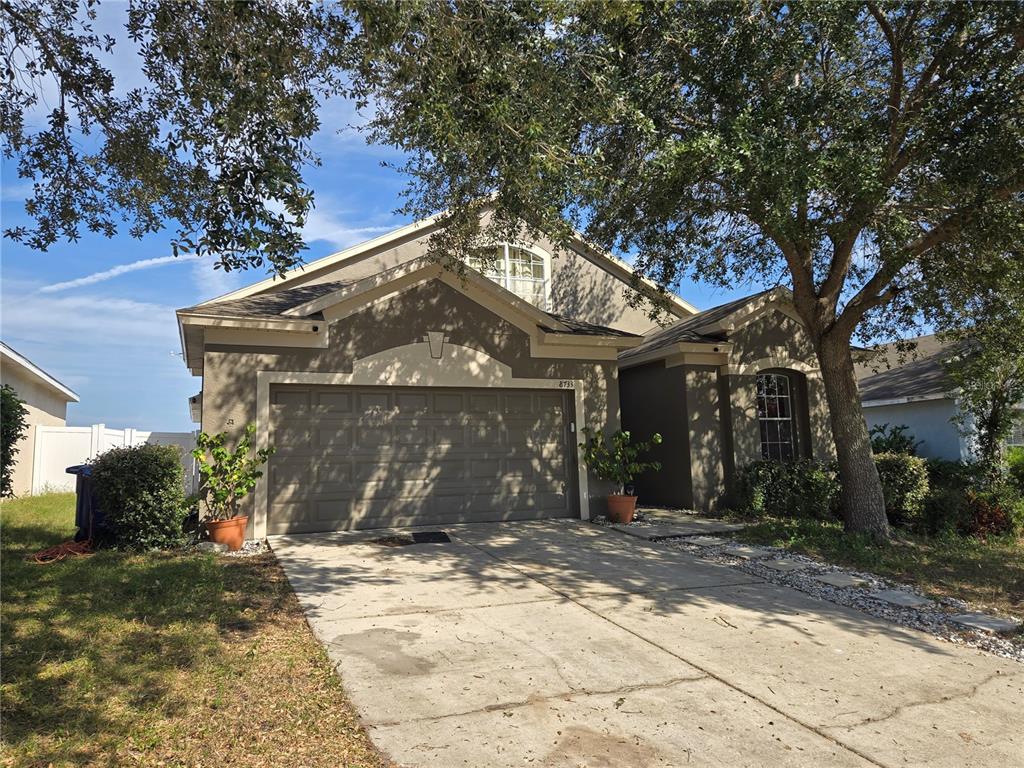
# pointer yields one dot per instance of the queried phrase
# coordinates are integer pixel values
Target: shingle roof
(583, 328)
(277, 303)
(922, 375)
(268, 304)
(686, 330)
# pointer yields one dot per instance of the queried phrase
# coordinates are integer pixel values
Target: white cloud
(210, 282)
(120, 269)
(330, 228)
(16, 192)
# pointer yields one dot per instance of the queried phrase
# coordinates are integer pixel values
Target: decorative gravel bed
(934, 617)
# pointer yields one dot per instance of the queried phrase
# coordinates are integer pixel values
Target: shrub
(993, 512)
(1015, 465)
(228, 476)
(12, 429)
(905, 486)
(945, 511)
(958, 475)
(886, 439)
(617, 459)
(140, 490)
(804, 489)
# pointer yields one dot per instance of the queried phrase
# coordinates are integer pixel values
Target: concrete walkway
(563, 644)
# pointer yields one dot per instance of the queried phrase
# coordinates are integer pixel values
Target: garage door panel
(334, 434)
(448, 402)
(366, 457)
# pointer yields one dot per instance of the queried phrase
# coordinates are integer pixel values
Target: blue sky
(99, 313)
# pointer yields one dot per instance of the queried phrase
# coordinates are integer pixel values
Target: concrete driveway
(563, 644)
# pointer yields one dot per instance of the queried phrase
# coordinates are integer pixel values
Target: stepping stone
(747, 553)
(706, 541)
(692, 525)
(784, 566)
(985, 623)
(841, 580)
(900, 598)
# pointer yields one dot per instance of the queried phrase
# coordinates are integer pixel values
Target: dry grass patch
(160, 659)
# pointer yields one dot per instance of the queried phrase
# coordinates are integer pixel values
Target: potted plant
(617, 459)
(228, 477)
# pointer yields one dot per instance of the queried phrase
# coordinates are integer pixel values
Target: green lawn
(985, 573)
(159, 659)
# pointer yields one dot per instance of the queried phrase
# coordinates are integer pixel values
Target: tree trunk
(863, 505)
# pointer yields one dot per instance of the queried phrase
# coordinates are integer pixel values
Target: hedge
(805, 488)
(905, 487)
(141, 492)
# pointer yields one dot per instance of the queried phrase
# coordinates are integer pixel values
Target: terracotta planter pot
(230, 532)
(621, 508)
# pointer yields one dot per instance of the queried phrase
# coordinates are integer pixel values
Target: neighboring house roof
(708, 327)
(922, 375)
(607, 261)
(12, 357)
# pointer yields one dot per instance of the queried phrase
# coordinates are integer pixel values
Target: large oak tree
(852, 151)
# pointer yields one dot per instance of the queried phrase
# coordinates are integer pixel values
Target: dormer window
(523, 271)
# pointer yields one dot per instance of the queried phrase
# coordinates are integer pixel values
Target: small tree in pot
(617, 459)
(228, 477)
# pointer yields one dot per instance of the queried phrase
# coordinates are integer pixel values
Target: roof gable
(608, 263)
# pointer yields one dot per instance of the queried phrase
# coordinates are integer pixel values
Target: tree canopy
(214, 139)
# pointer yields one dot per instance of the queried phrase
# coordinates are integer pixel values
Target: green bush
(957, 475)
(141, 492)
(803, 489)
(905, 486)
(12, 428)
(945, 511)
(1015, 465)
(895, 439)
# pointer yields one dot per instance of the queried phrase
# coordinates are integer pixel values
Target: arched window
(523, 272)
(775, 408)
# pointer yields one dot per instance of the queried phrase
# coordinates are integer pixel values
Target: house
(46, 400)
(725, 387)
(912, 388)
(398, 392)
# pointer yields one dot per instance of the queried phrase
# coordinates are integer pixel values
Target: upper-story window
(775, 416)
(525, 273)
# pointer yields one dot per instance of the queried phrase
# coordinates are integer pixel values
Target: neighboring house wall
(387, 331)
(718, 406)
(929, 421)
(45, 408)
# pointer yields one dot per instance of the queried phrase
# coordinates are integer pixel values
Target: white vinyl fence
(57, 448)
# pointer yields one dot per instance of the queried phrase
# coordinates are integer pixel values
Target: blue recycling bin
(89, 518)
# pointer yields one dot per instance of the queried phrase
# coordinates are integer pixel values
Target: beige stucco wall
(229, 380)
(579, 288)
(719, 405)
(45, 408)
(781, 342)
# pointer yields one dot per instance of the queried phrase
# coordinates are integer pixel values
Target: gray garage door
(370, 457)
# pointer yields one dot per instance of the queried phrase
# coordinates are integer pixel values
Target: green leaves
(228, 475)
(12, 428)
(216, 138)
(617, 459)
